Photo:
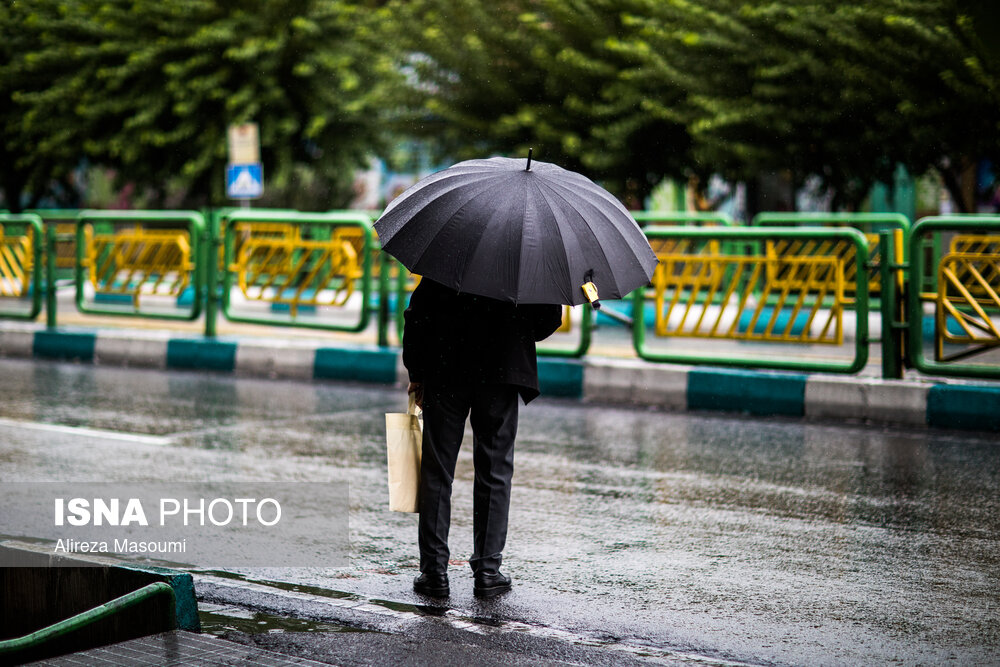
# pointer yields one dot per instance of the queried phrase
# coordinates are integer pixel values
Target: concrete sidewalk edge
(937, 402)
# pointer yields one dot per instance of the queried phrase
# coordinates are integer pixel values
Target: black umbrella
(516, 231)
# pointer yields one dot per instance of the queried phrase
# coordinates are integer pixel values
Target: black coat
(462, 339)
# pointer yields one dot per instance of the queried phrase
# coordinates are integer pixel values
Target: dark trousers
(493, 411)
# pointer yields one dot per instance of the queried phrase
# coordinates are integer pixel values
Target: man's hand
(417, 389)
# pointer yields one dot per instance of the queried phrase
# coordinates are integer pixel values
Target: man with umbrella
(499, 246)
(469, 355)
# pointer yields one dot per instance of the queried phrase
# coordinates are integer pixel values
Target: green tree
(502, 77)
(150, 87)
(630, 91)
(840, 90)
(24, 169)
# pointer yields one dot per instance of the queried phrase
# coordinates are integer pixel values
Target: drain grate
(177, 649)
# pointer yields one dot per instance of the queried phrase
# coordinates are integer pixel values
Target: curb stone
(918, 402)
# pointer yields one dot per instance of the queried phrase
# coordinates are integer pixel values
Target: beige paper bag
(403, 437)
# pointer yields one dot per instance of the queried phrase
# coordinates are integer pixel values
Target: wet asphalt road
(648, 535)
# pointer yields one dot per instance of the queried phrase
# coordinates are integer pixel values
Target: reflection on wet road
(764, 541)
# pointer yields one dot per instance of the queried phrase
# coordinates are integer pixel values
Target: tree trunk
(753, 197)
(13, 188)
(953, 183)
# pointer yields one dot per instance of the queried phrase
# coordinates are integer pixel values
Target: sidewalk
(610, 374)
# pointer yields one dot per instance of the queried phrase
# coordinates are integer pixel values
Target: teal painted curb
(201, 354)
(747, 391)
(560, 378)
(949, 406)
(185, 601)
(964, 407)
(64, 345)
(375, 365)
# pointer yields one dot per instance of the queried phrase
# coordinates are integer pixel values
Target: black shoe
(432, 585)
(489, 585)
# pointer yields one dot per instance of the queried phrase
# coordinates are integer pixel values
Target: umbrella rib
(593, 193)
(472, 252)
(637, 249)
(604, 254)
(389, 242)
(437, 180)
(559, 233)
(517, 270)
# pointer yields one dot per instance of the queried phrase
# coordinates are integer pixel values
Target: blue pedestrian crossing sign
(244, 181)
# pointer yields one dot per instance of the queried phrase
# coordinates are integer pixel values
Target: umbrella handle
(590, 291)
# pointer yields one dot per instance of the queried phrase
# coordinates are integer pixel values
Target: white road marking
(82, 431)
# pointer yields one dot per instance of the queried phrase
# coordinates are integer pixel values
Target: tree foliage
(627, 91)
(150, 87)
(633, 90)
(24, 167)
(840, 90)
(488, 77)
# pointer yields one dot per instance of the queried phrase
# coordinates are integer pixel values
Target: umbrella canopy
(527, 233)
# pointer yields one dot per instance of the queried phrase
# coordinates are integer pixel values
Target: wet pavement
(635, 535)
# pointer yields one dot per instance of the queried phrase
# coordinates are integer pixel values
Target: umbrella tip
(528, 168)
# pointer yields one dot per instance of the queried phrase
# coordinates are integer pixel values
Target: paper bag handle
(411, 406)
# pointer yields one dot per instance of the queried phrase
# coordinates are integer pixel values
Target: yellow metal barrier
(283, 233)
(15, 263)
(969, 295)
(355, 236)
(976, 243)
(244, 231)
(841, 249)
(567, 322)
(981, 276)
(138, 262)
(776, 297)
(670, 246)
(278, 266)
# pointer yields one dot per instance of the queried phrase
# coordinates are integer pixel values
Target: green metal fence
(22, 240)
(870, 224)
(297, 263)
(124, 258)
(963, 295)
(63, 223)
(787, 282)
(866, 222)
(555, 347)
(756, 285)
(10, 648)
(671, 218)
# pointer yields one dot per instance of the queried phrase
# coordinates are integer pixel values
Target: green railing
(907, 280)
(866, 222)
(721, 283)
(701, 219)
(583, 340)
(10, 647)
(871, 224)
(282, 270)
(965, 292)
(63, 222)
(160, 249)
(892, 277)
(21, 263)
